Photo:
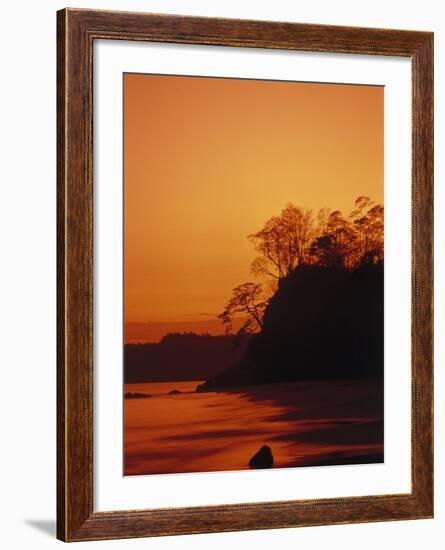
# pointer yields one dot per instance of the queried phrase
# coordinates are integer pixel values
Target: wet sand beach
(304, 424)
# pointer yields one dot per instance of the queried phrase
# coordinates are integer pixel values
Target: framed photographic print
(244, 275)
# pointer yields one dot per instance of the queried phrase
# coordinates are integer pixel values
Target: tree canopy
(295, 238)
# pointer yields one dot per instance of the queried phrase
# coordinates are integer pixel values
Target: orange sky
(209, 160)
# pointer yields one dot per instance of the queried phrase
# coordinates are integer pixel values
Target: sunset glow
(208, 160)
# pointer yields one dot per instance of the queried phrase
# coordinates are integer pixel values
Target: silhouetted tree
(337, 246)
(283, 242)
(294, 239)
(247, 299)
(351, 242)
(368, 222)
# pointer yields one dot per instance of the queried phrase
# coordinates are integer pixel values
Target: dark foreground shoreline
(327, 423)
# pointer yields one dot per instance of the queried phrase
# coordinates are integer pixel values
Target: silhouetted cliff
(182, 357)
(322, 323)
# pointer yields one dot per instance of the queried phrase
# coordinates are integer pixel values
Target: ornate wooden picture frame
(76, 32)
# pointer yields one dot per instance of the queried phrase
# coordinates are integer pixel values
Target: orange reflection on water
(304, 424)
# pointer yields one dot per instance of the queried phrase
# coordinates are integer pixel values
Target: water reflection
(304, 424)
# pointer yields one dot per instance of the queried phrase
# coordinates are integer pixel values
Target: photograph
(253, 248)
(244, 273)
